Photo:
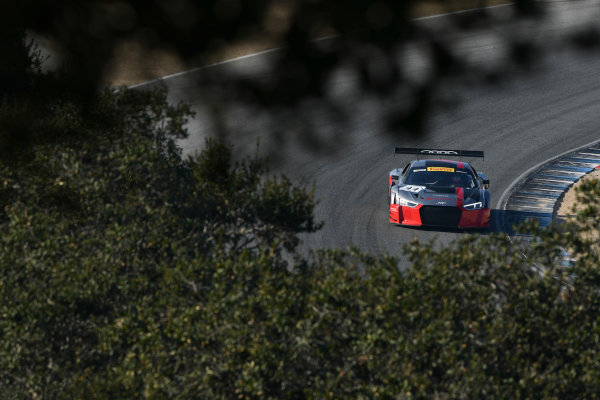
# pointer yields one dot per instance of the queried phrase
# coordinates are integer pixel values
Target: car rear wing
(438, 152)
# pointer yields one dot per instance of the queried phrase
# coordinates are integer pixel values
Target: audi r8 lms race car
(439, 192)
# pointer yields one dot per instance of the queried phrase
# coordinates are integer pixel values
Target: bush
(127, 272)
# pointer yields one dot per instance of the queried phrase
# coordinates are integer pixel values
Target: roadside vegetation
(128, 272)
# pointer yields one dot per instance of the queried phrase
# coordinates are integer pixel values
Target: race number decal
(412, 189)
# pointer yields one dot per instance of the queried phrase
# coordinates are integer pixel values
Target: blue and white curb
(536, 194)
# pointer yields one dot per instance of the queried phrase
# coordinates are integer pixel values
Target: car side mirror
(485, 181)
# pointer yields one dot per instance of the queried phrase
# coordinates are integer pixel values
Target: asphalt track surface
(533, 117)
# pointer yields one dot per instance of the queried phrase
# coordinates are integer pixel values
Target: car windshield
(440, 177)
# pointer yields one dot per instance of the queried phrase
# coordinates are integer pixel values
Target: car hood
(440, 196)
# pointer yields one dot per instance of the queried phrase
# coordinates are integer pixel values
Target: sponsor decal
(442, 169)
(439, 152)
(419, 170)
(412, 188)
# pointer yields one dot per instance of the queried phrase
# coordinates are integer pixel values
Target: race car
(439, 192)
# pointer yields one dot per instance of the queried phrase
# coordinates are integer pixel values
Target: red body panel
(459, 197)
(395, 213)
(411, 216)
(405, 215)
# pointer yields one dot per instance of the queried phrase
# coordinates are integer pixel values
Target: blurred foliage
(127, 272)
(87, 32)
(371, 39)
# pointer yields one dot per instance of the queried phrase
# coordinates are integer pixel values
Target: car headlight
(407, 203)
(473, 206)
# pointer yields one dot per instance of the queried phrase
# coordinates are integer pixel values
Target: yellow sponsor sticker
(442, 169)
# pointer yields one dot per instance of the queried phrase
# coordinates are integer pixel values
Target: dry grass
(567, 204)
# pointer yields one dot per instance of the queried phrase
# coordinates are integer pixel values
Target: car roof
(441, 163)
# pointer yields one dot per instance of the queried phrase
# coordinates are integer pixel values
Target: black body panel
(440, 216)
